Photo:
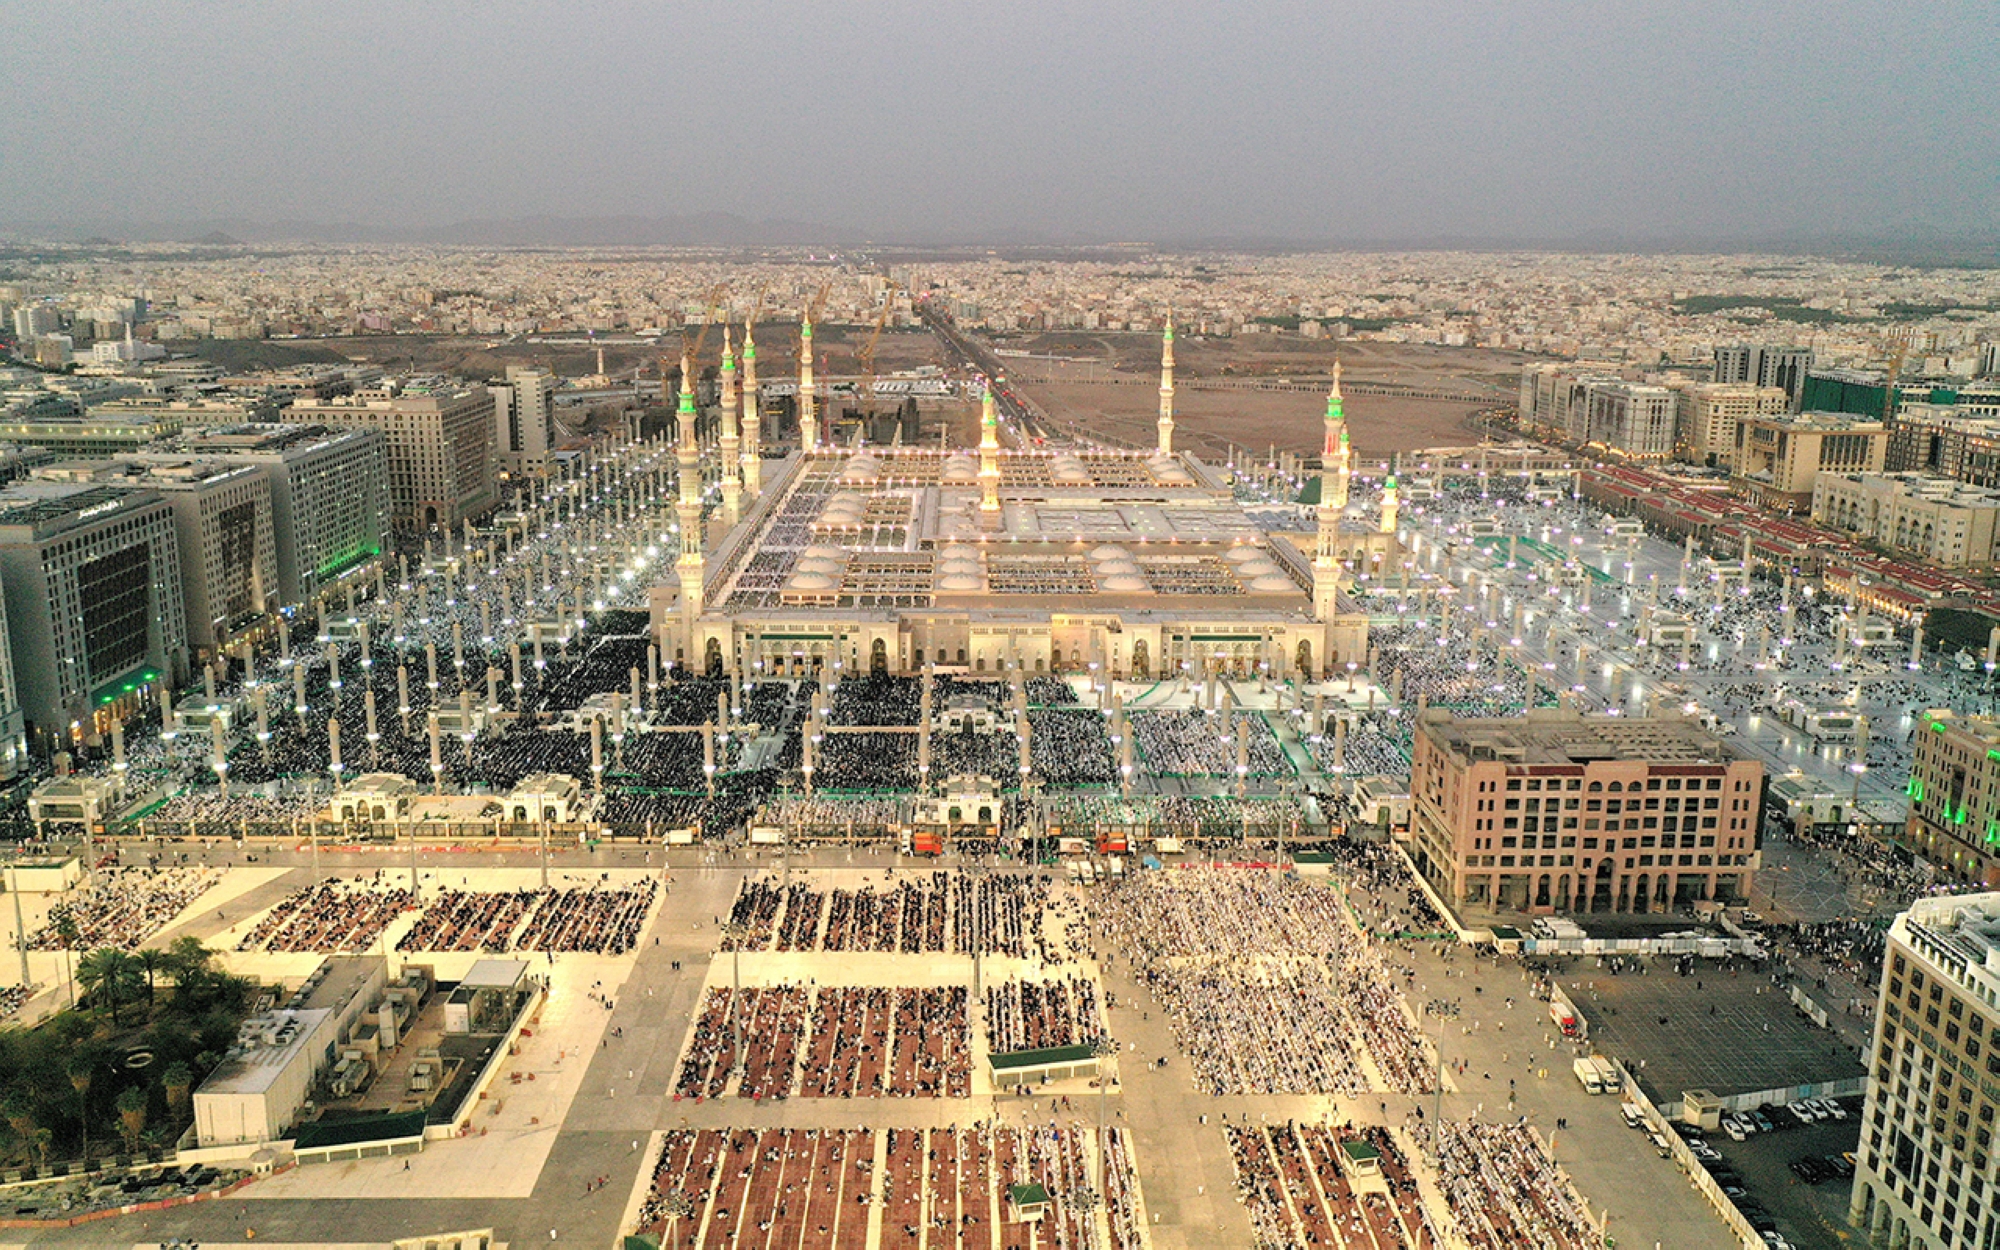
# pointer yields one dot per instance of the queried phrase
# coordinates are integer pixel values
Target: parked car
(1799, 1113)
(1763, 1122)
(1810, 1170)
(1833, 1109)
(1775, 1240)
(1734, 1128)
(1839, 1166)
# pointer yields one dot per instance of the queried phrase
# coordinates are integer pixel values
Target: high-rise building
(1632, 418)
(1946, 439)
(524, 429)
(1923, 1173)
(1778, 458)
(1707, 414)
(92, 580)
(440, 445)
(329, 496)
(1782, 367)
(1954, 789)
(32, 321)
(1568, 812)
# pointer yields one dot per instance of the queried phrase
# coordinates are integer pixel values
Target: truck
(1563, 1018)
(1607, 1074)
(1586, 1072)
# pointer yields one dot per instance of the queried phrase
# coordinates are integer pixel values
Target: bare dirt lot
(1108, 385)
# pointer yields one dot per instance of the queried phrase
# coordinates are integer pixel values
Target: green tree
(20, 1111)
(109, 976)
(81, 1068)
(179, 1082)
(188, 964)
(132, 1116)
(151, 961)
(63, 918)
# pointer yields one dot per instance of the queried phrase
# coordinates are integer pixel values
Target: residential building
(1556, 398)
(32, 321)
(1779, 457)
(1707, 413)
(524, 420)
(1954, 789)
(1782, 367)
(1936, 519)
(92, 581)
(1947, 440)
(1631, 417)
(439, 436)
(1924, 1174)
(329, 496)
(1559, 811)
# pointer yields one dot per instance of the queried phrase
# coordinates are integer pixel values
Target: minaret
(808, 402)
(1389, 505)
(729, 445)
(1337, 457)
(989, 461)
(689, 565)
(1326, 556)
(753, 420)
(1167, 389)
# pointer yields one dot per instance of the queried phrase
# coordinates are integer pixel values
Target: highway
(1020, 422)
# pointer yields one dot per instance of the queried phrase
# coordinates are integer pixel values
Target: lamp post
(1444, 1009)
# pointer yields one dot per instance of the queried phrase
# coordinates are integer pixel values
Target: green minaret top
(1390, 485)
(687, 385)
(805, 327)
(1168, 335)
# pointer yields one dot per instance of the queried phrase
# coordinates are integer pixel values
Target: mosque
(1143, 564)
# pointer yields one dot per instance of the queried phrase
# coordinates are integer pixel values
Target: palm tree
(80, 1070)
(132, 1116)
(151, 961)
(179, 1081)
(111, 973)
(64, 920)
(20, 1112)
(188, 962)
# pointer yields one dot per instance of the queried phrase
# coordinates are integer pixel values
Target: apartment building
(1924, 1171)
(1634, 418)
(92, 581)
(1778, 458)
(439, 437)
(1935, 519)
(1559, 811)
(329, 496)
(1707, 413)
(1954, 789)
(1946, 439)
(524, 429)
(1782, 367)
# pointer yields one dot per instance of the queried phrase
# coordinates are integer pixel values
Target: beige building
(1778, 458)
(1565, 812)
(440, 445)
(1936, 519)
(1924, 1172)
(1707, 414)
(1954, 789)
(524, 430)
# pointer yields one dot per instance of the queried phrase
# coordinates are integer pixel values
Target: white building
(440, 446)
(1707, 413)
(524, 429)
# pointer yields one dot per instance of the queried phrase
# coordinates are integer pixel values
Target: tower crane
(865, 355)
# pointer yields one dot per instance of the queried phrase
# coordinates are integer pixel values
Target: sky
(1018, 120)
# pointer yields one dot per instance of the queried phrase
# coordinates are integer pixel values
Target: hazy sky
(942, 120)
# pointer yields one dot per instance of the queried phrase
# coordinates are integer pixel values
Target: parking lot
(1723, 1030)
(1807, 1214)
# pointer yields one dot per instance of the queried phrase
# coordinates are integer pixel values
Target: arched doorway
(713, 659)
(1305, 658)
(1542, 891)
(1640, 895)
(1600, 894)
(878, 657)
(1141, 664)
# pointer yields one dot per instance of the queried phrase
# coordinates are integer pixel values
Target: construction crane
(714, 302)
(865, 355)
(1889, 380)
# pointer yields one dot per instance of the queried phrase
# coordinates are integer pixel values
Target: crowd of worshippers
(1269, 986)
(1040, 1015)
(939, 912)
(829, 1042)
(1290, 1179)
(122, 909)
(350, 915)
(1186, 743)
(1504, 1190)
(822, 1187)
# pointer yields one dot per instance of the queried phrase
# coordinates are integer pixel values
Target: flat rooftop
(253, 1069)
(1554, 736)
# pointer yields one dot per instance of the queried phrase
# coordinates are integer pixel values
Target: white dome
(960, 469)
(1238, 555)
(811, 581)
(1115, 568)
(961, 551)
(959, 564)
(1273, 582)
(818, 566)
(821, 551)
(959, 581)
(1123, 583)
(1108, 552)
(1256, 568)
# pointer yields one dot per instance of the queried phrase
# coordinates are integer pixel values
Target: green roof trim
(1359, 1151)
(320, 1134)
(1028, 1195)
(1017, 1059)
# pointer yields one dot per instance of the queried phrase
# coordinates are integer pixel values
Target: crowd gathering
(1270, 988)
(1298, 1192)
(1505, 1191)
(949, 1186)
(915, 913)
(1037, 1015)
(832, 1042)
(124, 908)
(350, 915)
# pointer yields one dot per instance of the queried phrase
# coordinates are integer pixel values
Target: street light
(1444, 1009)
